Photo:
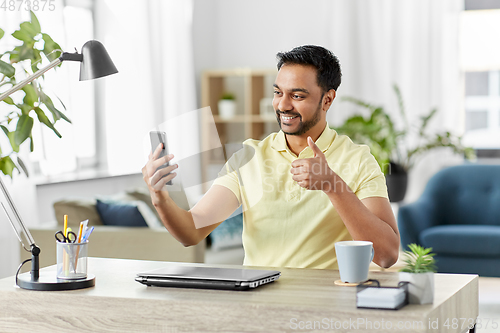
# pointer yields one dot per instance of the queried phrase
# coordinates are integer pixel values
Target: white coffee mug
(354, 258)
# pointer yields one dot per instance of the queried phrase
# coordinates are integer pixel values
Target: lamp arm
(16, 214)
(71, 57)
(30, 78)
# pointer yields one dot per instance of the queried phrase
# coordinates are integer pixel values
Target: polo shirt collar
(324, 141)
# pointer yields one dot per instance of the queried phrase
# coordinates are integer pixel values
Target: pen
(65, 225)
(83, 240)
(87, 234)
(85, 227)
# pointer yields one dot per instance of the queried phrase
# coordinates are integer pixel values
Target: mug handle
(373, 254)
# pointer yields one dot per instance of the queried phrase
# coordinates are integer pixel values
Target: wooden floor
(489, 305)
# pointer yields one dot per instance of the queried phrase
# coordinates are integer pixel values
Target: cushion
(463, 240)
(120, 214)
(149, 214)
(179, 198)
(142, 195)
(77, 210)
(228, 233)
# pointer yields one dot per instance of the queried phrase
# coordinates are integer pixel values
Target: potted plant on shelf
(227, 106)
(22, 110)
(419, 272)
(390, 146)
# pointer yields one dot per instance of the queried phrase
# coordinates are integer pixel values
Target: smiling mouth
(287, 118)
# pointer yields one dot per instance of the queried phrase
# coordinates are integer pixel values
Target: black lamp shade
(96, 62)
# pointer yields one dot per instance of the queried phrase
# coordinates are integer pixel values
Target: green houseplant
(227, 106)
(390, 146)
(419, 270)
(22, 110)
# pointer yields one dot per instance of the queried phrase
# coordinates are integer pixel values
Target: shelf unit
(249, 86)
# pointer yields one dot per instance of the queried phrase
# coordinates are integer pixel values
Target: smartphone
(158, 137)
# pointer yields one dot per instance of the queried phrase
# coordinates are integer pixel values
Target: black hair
(326, 63)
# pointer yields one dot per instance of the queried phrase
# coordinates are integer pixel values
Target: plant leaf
(31, 95)
(7, 165)
(64, 107)
(63, 116)
(1, 33)
(42, 117)
(5, 130)
(23, 129)
(50, 46)
(28, 28)
(401, 105)
(25, 108)
(50, 105)
(15, 147)
(7, 69)
(36, 60)
(419, 260)
(425, 121)
(22, 52)
(23, 166)
(22, 35)
(34, 23)
(8, 100)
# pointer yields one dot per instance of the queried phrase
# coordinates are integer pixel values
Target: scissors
(70, 238)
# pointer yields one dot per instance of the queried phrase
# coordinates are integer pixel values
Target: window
(480, 59)
(77, 147)
(482, 101)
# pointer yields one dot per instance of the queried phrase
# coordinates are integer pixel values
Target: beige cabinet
(254, 117)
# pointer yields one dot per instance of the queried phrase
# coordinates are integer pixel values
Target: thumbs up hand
(314, 173)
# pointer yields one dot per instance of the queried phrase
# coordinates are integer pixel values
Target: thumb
(314, 148)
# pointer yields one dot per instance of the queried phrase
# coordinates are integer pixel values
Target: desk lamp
(95, 63)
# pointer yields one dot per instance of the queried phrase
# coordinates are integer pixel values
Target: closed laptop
(184, 276)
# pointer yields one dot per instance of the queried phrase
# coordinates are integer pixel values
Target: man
(302, 189)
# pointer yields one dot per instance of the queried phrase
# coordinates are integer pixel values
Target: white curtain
(412, 43)
(151, 46)
(172, 22)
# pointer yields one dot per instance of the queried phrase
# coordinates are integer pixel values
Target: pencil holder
(72, 260)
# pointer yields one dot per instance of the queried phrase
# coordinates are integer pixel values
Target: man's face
(297, 99)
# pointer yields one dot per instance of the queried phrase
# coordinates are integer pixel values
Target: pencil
(79, 241)
(65, 255)
(65, 230)
(80, 232)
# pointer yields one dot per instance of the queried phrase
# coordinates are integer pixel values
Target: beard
(303, 126)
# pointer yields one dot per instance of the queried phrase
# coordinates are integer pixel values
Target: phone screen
(158, 137)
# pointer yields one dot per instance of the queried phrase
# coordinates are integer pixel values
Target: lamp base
(49, 281)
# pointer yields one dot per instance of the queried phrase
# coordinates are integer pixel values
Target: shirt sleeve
(371, 181)
(228, 177)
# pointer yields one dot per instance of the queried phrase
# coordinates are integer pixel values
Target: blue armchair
(458, 215)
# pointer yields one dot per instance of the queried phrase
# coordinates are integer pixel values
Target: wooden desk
(299, 298)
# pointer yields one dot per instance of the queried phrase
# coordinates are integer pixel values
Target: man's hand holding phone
(154, 176)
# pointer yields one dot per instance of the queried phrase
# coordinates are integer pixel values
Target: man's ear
(328, 99)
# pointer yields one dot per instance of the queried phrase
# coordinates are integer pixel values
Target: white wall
(230, 34)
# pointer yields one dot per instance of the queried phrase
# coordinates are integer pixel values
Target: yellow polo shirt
(285, 225)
